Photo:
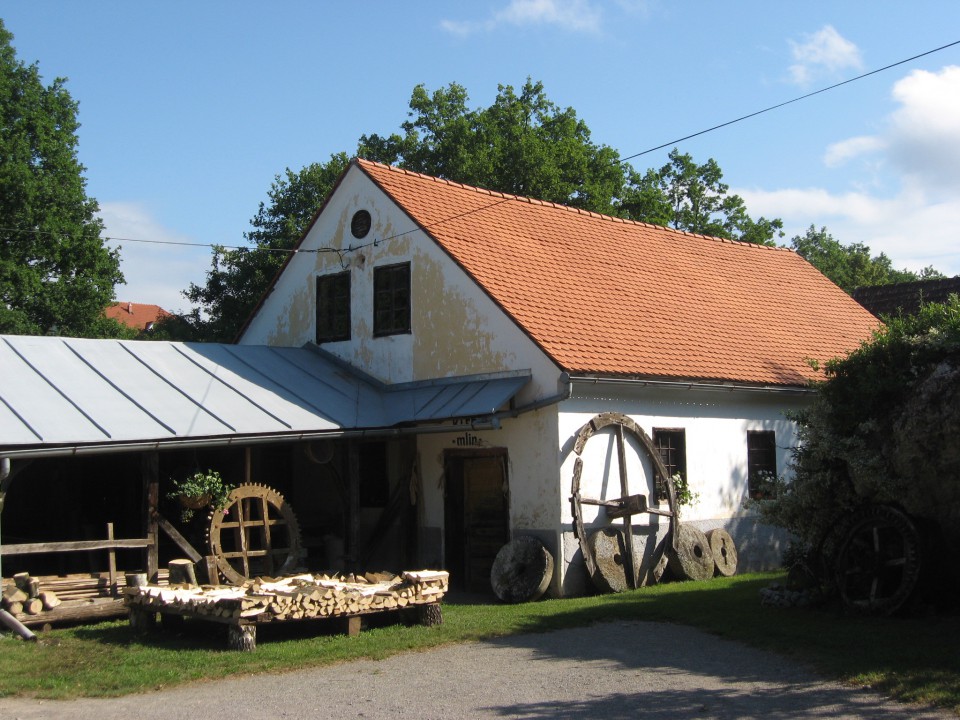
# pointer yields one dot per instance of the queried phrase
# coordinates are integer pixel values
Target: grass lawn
(913, 659)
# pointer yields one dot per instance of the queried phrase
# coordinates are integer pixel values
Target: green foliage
(685, 496)
(208, 488)
(693, 197)
(56, 275)
(851, 266)
(522, 144)
(238, 278)
(882, 428)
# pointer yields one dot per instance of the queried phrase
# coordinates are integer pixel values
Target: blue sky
(189, 109)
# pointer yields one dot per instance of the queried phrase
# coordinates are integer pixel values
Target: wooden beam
(179, 539)
(74, 546)
(150, 471)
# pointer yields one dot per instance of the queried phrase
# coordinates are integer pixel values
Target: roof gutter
(543, 402)
(692, 385)
(487, 422)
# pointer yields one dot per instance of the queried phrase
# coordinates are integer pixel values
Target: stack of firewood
(24, 596)
(298, 597)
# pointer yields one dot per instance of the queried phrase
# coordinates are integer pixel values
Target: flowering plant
(199, 490)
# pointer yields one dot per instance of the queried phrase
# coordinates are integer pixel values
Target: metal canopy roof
(62, 395)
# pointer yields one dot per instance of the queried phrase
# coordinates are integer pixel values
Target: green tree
(692, 197)
(238, 277)
(851, 266)
(522, 144)
(56, 274)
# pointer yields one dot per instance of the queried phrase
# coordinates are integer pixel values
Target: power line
(788, 102)
(352, 248)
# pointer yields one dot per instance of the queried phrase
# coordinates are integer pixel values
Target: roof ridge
(560, 206)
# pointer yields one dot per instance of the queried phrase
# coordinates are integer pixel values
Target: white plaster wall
(532, 469)
(715, 424)
(456, 328)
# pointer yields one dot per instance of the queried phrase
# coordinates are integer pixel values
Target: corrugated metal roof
(79, 392)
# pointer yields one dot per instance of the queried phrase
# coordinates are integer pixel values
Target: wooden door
(477, 514)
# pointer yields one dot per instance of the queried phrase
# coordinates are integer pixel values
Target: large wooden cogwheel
(255, 534)
(625, 506)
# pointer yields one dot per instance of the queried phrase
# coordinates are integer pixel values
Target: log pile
(23, 596)
(298, 597)
(39, 600)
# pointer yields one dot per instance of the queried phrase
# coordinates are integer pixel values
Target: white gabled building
(703, 343)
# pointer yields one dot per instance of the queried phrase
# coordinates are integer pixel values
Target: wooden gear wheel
(626, 505)
(878, 563)
(255, 534)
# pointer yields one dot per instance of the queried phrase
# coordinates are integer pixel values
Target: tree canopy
(521, 144)
(882, 429)
(56, 274)
(692, 197)
(851, 266)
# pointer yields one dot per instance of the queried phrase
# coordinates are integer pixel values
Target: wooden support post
(150, 471)
(142, 621)
(112, 563)
(430, 615)
(209, 566)
(242, 637)
(352, 626)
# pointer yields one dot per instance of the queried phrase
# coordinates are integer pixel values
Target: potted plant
(200, 490)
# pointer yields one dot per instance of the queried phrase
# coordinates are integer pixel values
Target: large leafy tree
(56, 274)
(851, 266)
(522, 144)
(692, 197)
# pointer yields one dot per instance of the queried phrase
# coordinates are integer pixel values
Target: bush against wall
(882, 429)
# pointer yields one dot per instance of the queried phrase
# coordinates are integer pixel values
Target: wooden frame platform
(292, 599)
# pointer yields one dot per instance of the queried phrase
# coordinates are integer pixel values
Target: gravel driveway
(610, 671)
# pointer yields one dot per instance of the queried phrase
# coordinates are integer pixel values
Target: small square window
(761, 463)
(391, 299)
(333, 307)
(672, 446)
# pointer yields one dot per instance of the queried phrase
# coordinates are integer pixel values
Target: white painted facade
(458, 330)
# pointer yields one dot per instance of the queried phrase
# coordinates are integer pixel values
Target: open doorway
(477, 515)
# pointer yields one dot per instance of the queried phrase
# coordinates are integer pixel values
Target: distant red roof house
(136, 315)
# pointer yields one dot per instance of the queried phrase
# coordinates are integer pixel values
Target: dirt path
(610, 671)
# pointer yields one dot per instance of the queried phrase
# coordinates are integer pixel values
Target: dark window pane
(672, 446)
(761, 463)
(391, 299)
(333, 307)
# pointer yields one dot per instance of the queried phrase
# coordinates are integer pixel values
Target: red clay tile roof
(135, 315)
(612, 297)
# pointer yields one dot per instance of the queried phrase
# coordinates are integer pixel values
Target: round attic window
(360, 224)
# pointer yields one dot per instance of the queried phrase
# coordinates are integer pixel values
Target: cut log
(22, 581)
(11, 593)
(33, 606)
(182, 572)
(135, 579)
(49, 599)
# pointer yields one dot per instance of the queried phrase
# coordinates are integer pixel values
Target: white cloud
(822, 54)
(912, 229)
(840, 152)
(572, 15)
(156, 273)
(923, 134)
